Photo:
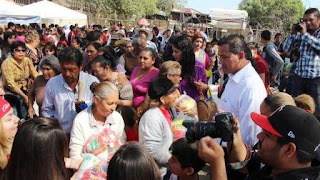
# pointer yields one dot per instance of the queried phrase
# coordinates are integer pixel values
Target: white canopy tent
(52, 13)
(12, 12)
(228, 18)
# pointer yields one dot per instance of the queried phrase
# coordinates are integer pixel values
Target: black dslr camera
(298, 28)
(221, 127)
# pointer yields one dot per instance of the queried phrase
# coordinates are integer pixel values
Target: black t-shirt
(264, 173)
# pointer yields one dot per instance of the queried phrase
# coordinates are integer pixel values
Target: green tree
(276, 15)
(122, 9)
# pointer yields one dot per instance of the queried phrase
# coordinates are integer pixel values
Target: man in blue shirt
(65, 90)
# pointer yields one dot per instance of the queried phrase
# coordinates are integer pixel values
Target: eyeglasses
(19, 50)
(176, 75)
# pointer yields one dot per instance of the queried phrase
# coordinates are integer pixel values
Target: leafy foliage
(278, 15)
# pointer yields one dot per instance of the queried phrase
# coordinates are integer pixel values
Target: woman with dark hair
(194, 81)
(50, 67)
(155, 123)
(92, 52)
(104, 68)
(17, 70)
(77, 43)
(131, 61)
(142, 75)
(49, 49)
(131, 162)
(38, 152)
(60, 47)
(8, 39)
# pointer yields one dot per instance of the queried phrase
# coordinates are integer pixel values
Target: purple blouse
(189, 87)
(140, 86)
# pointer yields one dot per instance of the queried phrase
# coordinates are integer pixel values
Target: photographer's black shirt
(264, 173)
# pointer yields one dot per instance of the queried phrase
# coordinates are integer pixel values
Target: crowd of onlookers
(109, 102)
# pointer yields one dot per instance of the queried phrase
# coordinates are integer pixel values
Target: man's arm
(277, 59)
(211, 152)
(314, 42)
(292, 41)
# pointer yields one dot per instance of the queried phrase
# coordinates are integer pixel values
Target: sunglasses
(19, 50)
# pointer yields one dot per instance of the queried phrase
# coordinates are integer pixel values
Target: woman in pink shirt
(142, 75)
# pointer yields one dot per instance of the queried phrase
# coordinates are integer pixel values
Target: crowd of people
(109, 103)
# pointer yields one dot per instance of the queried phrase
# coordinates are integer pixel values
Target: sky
(204, 5)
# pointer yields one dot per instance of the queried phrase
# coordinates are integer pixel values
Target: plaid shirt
(308, 65)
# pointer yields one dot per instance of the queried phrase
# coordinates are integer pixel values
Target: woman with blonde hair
(274, 101)
(53, 36)
(8, 129)
(305, 102)
(171, 70)
(33, 51)
(93, 120)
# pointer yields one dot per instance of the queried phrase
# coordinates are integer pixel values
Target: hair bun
(93, 86)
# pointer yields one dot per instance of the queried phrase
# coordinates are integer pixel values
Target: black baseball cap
(160, 86)
(294, 124)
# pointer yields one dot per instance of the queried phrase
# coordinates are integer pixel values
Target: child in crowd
(185, 162)
(289, 70)
(131, 128)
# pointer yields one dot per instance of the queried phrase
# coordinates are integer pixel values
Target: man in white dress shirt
(67, 88)
(244, 91)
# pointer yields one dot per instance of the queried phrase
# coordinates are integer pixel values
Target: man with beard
(288, 142)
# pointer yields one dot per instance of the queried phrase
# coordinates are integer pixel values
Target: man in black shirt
(288, 142)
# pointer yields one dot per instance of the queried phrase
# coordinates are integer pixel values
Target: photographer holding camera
(305, 36)
(287, 145)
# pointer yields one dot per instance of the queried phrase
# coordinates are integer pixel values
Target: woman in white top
(95, 118)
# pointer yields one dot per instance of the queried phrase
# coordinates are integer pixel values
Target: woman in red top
(261, 64)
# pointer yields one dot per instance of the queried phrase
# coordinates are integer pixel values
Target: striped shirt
(308, 65)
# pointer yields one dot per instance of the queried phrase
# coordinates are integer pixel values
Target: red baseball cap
(4, 107)
(294, 124)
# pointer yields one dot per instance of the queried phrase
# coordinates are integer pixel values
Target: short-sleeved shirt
(15, 76)
(140, 86)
